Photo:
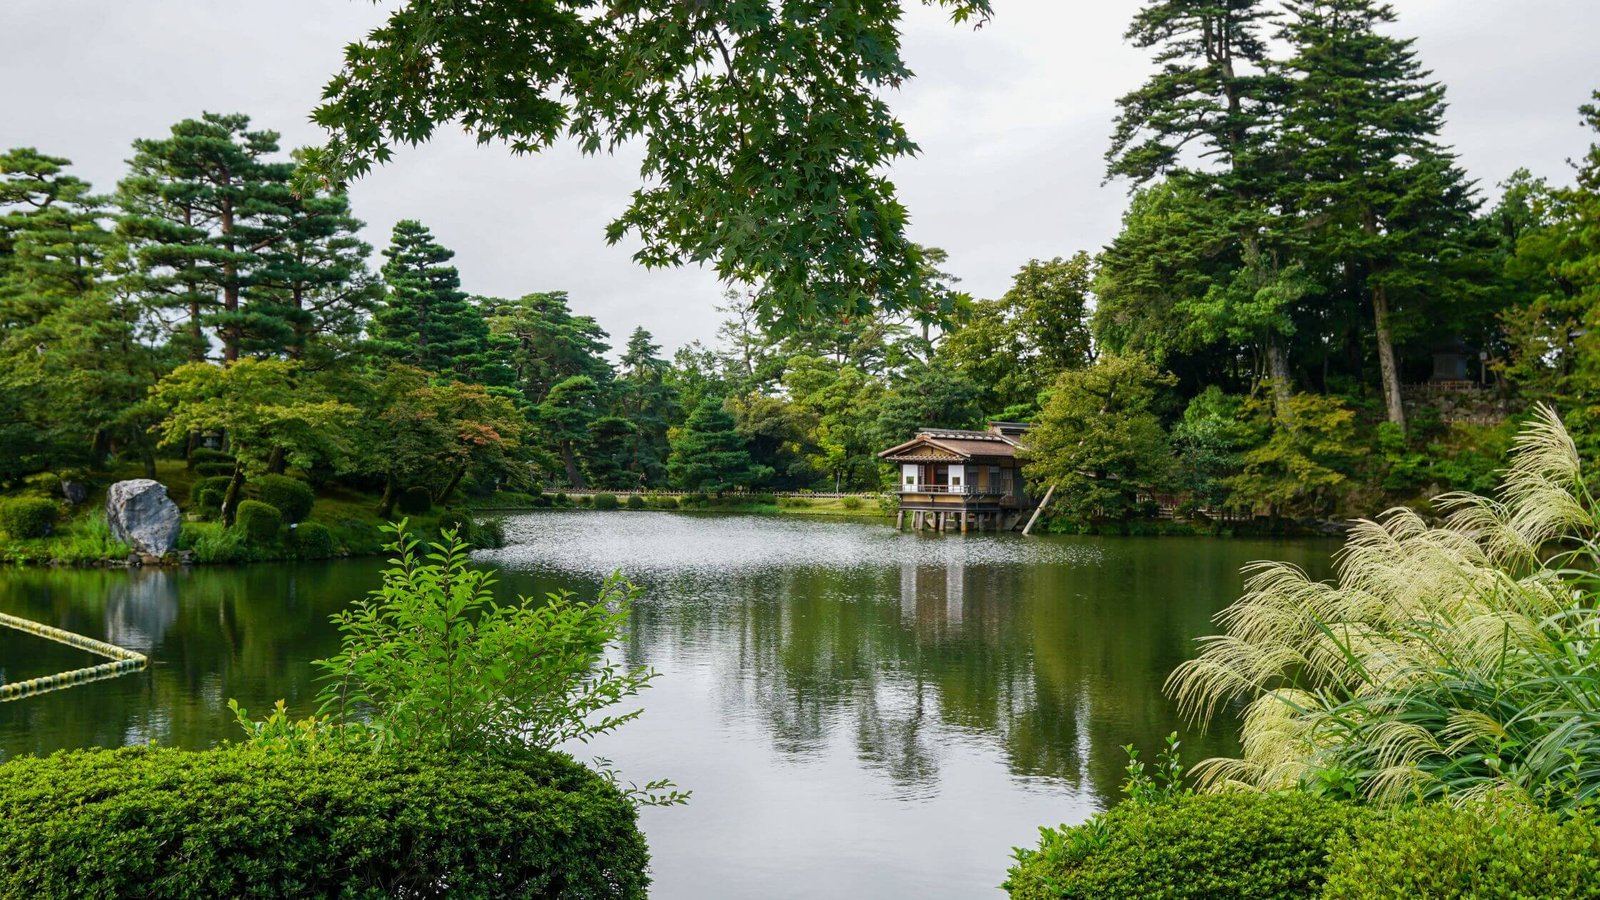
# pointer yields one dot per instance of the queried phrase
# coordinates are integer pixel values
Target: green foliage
(254, 822)
(416, 501)
(1298, 459)
(216, 484)
(1447, 661)
(214, 469)
(312, 540)
(426, 320)
(851, 503)
(1099, 439)
(636, 502)
(1201, 847)
(215, 543)
(291, 496)
(710, 454)
(259, 521)
(709, 93)
(207, 455)
(605, 501)
(27, 517)
(1442, 851)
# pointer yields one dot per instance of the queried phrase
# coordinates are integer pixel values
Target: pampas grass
(1446, 661)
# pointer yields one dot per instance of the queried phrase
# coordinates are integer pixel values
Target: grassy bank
(756, 504)
(341, 522)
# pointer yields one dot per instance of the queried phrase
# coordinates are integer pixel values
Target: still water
(858, 712)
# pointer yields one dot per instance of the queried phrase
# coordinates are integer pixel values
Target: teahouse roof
(955, 445)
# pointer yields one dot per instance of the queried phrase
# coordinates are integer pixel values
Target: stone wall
(1457, 402)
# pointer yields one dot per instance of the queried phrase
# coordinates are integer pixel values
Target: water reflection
(858, 711)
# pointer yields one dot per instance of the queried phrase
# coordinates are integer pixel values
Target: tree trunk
(1386, 363)
(189, 448)
(276, 462)
(574, 477)
(454, 480)
(230, 290)
(230, 500)
(147, 452)
(391, 492)
(1278, 371)
(297, 346)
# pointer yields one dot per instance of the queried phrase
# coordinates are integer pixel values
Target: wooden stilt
(900, 520)
(962, 516)
(916, 520)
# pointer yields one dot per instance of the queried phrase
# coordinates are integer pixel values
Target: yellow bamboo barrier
(122, 660)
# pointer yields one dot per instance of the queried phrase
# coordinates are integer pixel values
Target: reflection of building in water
(140, 608)
(943, 598)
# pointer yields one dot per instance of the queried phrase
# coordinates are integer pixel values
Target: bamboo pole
(122, 660)
(1039, 509)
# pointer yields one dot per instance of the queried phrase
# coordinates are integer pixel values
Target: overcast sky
(1012, 119)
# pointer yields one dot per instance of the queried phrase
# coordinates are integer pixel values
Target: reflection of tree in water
(1055, 666)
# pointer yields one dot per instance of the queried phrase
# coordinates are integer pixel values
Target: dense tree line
(1297, 245)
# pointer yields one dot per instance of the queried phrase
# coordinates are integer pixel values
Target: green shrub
(291, 496)
(213, 469)
(851, 503)
(312, 540)
(213, 543)
(216, 484)
(1437, 850)
(207, 455)
(664, 502)
(28, 517)
(561, 498)
(585, 500)
(606, 501)
(242, 821)
(1198, 846)
(259, 521)
(636, 502)
(416, 501)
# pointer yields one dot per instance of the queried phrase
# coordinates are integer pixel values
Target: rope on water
(122, 660)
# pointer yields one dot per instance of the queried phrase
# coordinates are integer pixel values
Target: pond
(859, 712)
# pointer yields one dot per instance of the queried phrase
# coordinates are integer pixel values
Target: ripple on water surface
(598, 543)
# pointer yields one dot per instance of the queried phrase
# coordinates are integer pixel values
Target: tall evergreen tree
(543, 343)
(648, 404)
(1381, 198)
(316, 276)
(52, 238)
(195, 207)
(425, 319)
(710, 454)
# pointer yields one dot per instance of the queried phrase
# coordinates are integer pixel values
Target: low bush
(636, 502)
(606, 501)
(416, 501)
(851, 503)
(215, 484)
(291, 496)
(313, 540)
(1196, 846)
(486, 534)
(28, 517)
(1437, 850)
(698, 498)
(561, 498)
(213, 469)
(213, 543)
(242, 821)
(585, 500)
(664, 502)
(259, 521)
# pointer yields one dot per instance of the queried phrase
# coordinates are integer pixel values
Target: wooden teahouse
(956, 479)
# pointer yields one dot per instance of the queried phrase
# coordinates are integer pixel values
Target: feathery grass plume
(1444, 662)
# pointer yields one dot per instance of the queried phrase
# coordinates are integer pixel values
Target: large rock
(142, 516)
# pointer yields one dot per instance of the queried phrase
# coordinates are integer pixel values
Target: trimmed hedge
(213, 469)
(606, 501)
(1440, 851)
(260, 521)
(28, 517)
(415, 501)
(313, 540)
(242, 821)
(217, 484)
(207, 455)
(291, 496)
(636, 502)
(1264, 846)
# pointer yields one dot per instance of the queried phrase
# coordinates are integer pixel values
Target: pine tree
(195, 207)
(648, 404)
(1381, 198)
(426, 320)
(52, 240)
(710, 454)
(316, 277)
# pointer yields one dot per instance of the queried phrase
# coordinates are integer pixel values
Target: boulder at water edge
(142, 516)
